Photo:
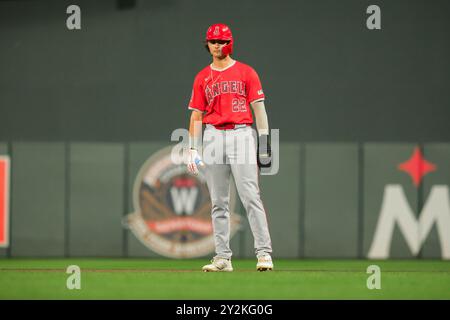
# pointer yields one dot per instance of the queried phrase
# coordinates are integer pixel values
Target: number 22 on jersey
(238, 105)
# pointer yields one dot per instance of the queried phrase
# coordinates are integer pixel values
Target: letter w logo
(395, 209)
(183, 199)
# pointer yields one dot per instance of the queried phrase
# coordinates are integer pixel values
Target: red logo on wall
(417, 167)
(4, 204)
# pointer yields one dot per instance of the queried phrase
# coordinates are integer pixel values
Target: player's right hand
(194, 161)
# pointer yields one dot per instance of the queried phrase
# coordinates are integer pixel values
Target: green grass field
(182, 279)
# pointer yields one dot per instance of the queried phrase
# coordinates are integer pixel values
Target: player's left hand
(264, 155)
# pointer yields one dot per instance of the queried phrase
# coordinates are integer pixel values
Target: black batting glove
(264, 155)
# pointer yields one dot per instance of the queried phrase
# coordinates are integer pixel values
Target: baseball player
(222, 95)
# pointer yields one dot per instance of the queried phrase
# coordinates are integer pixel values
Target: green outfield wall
(69, 199)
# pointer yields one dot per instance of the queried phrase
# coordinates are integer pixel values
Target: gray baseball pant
(234, 153)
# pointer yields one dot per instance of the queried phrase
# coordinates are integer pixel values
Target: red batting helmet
(221, 31)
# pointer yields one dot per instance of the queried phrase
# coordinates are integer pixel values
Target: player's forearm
(262, 122)
(195, 130)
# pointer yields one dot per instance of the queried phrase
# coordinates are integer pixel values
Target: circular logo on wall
(173, 209)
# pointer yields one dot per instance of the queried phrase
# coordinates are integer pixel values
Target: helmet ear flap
(228, 48)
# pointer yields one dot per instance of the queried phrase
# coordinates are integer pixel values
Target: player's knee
(220, 209)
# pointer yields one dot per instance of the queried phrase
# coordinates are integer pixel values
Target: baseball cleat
(218, 265)
(264, 263)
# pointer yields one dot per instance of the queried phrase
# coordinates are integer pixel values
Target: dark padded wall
(38, 199)
(127, 74)
(96, 199)
(80, 111)
(331, 210)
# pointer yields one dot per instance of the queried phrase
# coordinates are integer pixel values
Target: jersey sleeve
(197, 101)
(254, 87)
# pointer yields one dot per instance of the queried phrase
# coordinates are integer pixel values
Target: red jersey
(224, 96)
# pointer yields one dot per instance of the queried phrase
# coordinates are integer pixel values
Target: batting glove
(264, 151)
(194, 161)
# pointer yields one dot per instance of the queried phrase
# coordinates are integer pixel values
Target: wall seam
(302, 197)
(126, 197)
(67, 199)
(360, 252)
(9, 151)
